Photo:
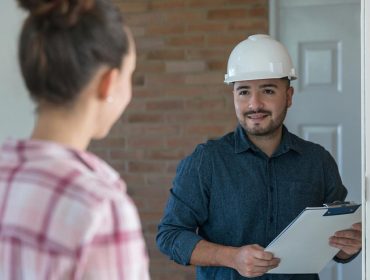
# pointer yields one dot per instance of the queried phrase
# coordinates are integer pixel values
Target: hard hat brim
(257, 76)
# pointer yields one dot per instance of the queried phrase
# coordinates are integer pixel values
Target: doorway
(324, 39)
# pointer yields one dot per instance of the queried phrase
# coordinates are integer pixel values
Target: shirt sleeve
(116, 248)
(335, 190)
(187, 208)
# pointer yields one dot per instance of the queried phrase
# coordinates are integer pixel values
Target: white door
(365, 83)
(323, 37)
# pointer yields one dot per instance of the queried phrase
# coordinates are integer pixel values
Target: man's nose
(255, 102)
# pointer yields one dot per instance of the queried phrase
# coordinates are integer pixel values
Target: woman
(64, 213)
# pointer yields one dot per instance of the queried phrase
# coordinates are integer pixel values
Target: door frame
(365, 134)
(365, 111)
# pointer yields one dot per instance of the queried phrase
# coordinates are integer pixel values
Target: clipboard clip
(341, 208)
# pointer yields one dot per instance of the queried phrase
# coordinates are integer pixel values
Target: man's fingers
(265, 264)
(261, 267)
(262, 255)
(357, 226)
(349, 234)
(345, 241)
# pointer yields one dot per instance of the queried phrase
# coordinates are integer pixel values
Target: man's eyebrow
(243, 87)
(268, 85)
(261, 86)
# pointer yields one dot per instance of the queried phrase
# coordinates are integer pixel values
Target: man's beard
(270, 129)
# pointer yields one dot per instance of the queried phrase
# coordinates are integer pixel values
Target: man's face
(261, 105)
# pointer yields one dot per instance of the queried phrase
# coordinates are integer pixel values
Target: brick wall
(179, 99)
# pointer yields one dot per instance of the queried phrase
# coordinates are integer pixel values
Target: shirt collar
(242, 142)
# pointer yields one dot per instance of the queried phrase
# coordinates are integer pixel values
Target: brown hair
(63, 43)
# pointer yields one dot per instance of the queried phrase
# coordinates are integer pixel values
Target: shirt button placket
(272, 199)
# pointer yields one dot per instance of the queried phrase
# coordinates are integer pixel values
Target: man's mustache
(257, 112)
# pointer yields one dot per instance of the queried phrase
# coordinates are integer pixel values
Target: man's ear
(290, 93)
(106, 83)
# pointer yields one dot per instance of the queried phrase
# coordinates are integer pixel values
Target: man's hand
(349, 241)
(253, 261)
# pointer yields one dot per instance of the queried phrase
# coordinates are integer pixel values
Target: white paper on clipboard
(303, 246)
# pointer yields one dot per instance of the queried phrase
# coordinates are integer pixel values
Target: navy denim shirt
(230, 193)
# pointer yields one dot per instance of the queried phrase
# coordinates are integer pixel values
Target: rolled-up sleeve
(187, 208)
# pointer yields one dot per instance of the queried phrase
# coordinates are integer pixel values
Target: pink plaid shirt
(65, 214)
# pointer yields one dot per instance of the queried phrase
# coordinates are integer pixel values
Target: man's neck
(267, 143)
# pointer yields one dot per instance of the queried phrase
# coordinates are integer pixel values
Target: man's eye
(243, 92)
(269, 91)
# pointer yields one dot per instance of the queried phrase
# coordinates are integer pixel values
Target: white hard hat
(259, 57)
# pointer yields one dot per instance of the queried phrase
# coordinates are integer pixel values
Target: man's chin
(260, 131)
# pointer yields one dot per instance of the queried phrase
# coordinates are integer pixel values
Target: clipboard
(303, 246)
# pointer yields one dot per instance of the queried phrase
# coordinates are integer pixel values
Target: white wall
(16, 109)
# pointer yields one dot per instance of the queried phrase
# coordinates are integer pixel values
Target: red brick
(184, 91)
(145, 118)
(165, 105)
(166, 4)
(206, 3)
(185, 66)
(205, 78)
(137, 31)
(164, 79)
(150, 67)
(143, 19)
(126, 154)
(249, 25)
(102, 153)
(158, 180)
(153, 129)
(184, 142)
(190, 40)
(143, 93)
(166, 54)
(229, 39)
(141, 141)
(147, 167)
(134, 7)
(172, 167)
(186, 117)
(217, 65)
(165, 154)
(258, 12)
(166, 29)
(133, 179)
(212, 130)
(208, 53)
(136, 105)
(109, 142)
(206, 104)
(207, 27)
(227, 14)
(182, 15)
(119, 166)
(149, 43)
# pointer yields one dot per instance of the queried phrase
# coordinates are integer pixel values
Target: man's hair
(287, 80)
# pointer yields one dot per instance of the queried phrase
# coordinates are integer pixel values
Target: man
(232, 196)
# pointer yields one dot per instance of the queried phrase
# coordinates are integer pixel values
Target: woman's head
(65, 43)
